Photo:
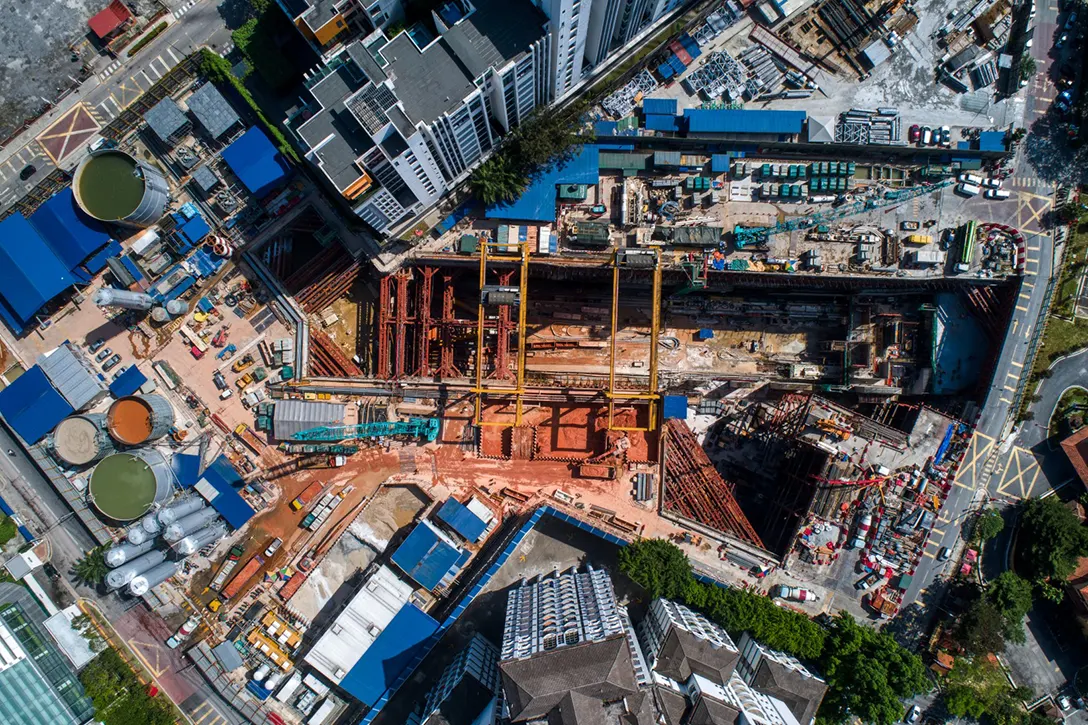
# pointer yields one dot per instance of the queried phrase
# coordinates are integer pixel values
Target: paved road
(60, 137)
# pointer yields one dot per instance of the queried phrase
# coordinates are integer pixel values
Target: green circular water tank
(112, 186)
(125, 485)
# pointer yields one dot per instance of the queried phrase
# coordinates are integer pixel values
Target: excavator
(604, 465)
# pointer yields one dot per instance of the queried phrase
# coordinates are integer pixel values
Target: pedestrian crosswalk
(1023, 181)
(110, 70)
(179, 11)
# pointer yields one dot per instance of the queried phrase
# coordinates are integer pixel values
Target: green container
(287, 372)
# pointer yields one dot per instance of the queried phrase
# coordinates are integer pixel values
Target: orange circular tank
(130, 421)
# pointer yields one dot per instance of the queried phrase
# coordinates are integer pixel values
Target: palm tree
(92, 567)
(498, 180)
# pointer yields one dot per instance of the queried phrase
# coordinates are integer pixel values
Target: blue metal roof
(675, 406)
(456, 515)
(720, 162)
(97, 262)
(605, 128)
(194, 230)
(425, 556)
(229, 503)
(655, 122)
(659, 106)
(30, 272)
(72, 235)
(186, 468)
(991, 141)
(401, 645)
(256, 162)
(741, 121)
(538, 201)
(32, 406)
(128, 382)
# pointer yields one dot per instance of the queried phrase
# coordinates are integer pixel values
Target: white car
(913, 714)
(1030, 41)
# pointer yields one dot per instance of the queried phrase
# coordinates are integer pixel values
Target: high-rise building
(37, 684)
(328, 24)
(615, 23)
(568, 25)
(394, 124)
(700, 675)
(569, 652)
(468, 690)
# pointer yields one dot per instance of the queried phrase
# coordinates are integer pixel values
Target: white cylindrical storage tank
(177, 307)
(180, 509)
(197, 540)
(137, 535)
(82, 439)
(136, 419)
(261, 673)
(184, 526)
(125, 573)
(150, 524)
(274, 681)
(120, 553)
(150, 579)
(113, 186)
(123, 298)
(159, 314)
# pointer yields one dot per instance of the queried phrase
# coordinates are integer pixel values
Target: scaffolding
(503, 296)
(631, 259)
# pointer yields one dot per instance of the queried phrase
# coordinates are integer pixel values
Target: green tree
(1028, 67)
(868, 675)
(1011, 595)
(976, 688)
(118, 696)
(658, 566)
(989, 524)
(982, 629)
(1050, 541)
(92, 567)
(496, 180)
(8, 529)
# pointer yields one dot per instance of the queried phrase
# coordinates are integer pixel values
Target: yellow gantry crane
(501, 253)
(635, 259)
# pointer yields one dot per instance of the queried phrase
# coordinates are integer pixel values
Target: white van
(992, 183)
(996, 194)
(970, 179)
(968, 189)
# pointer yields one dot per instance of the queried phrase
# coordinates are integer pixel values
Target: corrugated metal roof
(662, 106)
(294, 416)
(666, 158)
(128, 382)
(256, 162)
(456, 515)
(33, 407)
(720, 162)
(30, 272)
(675, 406)
(229, 503)
(626, 162)
(538, 201)
(655, 122)
(991, 141)
(228, 656)
(427, 555)
(742, 121)
(212, 110)
(72, 376)
(205, 178)
(186, 467)
(166, 119)
(72, 235)
(400, 645)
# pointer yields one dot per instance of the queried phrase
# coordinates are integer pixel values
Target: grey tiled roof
(212, 110)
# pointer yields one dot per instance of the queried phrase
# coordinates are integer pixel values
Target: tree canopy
(119, 698)
(1050, 541)
(976, 688)
(989, 524)
(867, 671)
(1011, 595)
(92, 568)
(982, 628)
(868, 674)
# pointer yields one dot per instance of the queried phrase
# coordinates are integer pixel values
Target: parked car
(28, 171)
(220, 381)
(111, 363)
(119, 372)
(927, 135)
(1061, 40)
(96, 345)
(946, 136)
(1064, 102)
(913, 714)
(1070, 21)
(273, 547)
(944, 553)
(105, 353)
(1064, 703)
(915, 133)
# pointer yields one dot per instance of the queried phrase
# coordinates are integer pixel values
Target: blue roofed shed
(675, 406)
(194, 230)
(32, 406)
(655, 122)
(222, 478)
(659, 106)
(429, 556)
(458, 517)
(400, 645)
(743, 121)
(128, 382)
(991, 141)
(186, 467)
(30, 272)
(538, 201)
(256, 162)
(72, 235)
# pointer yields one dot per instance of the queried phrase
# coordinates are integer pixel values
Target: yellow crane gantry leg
(650, 395)
(518, 391)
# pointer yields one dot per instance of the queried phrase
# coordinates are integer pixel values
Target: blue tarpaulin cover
(991, 141)
(71, 234)
(30, 272)
(400, 644)
(256, 162)
(538, 201)
(32, 406)
(229, 503)
(675, 406)
(128, 382)
(457, 516)
(425, 556)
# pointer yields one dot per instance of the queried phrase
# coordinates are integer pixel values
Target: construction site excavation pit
(124, 486)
